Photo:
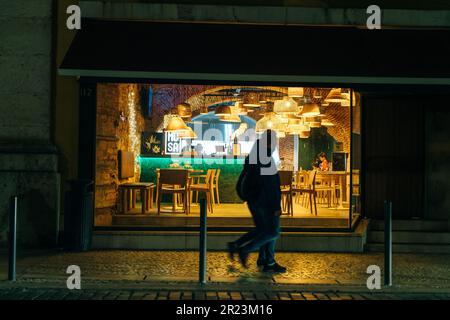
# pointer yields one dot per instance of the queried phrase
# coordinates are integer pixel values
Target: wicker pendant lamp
(337, 96)
(285, 106)
(187, 134)
(175, 123)
(310, 109)
(223, 110)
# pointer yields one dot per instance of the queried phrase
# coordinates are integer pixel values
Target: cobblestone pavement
(409, 269)
(120, 294)
(418, 270)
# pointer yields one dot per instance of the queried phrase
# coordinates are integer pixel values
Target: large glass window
(147, 132)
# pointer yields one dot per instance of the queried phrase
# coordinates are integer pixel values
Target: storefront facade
(403, 91)
(390, 78)
(132, 118)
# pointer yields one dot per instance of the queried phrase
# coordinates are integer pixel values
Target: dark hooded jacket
(269, 193)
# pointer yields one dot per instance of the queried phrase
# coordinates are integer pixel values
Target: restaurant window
(148, 133)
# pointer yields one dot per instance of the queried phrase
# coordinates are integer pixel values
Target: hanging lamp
(285, 106)
(270, 121)
(184, 110)
(313, 122)
(223, 110)
(327, 123)
(251, 100)
(310, 109)
(187, 134)
(337, 96)
(175, 123)
(295, 92)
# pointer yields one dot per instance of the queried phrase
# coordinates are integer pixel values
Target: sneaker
(231, 250)
(274, 268)
(243, 258)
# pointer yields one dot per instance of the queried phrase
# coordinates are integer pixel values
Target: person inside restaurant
(323, 166)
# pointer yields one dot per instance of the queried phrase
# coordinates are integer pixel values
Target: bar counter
(230, 168)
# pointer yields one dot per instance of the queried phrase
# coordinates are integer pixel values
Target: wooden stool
(128, 195)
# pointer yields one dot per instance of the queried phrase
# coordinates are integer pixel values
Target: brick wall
(113, 134)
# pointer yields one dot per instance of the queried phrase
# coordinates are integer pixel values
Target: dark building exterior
(400, 74)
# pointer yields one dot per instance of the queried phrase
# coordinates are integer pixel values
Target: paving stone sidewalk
(431, 270)
(131, 275)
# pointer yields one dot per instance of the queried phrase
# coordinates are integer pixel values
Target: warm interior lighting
(252, 101)
(184, 110)
(295, 92)
(327, 123)
(230, 118)
(310, 110)
(252, 105)
(313, 122)
(240, 109)
(187, 134)
(235, 112)
(262, 99)
(294, 121)
(285, 106)
(346, 103)
(204, 110)
(304, 134)
(317, 94)
(337, 96)
(223, 110)
(133, 134)
(270, 121)
(303, 131)
(175, 123)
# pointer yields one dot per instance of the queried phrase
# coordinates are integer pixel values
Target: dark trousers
(263, 237)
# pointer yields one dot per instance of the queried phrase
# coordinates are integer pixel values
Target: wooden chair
(207, 188)
(310, 190)
(175, 182)
(286, 191)
(326, 188)
(301, 181)
(216, 186)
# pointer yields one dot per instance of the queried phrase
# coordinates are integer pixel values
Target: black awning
(198, 51)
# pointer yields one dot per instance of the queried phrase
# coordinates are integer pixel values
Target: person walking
(264, 205)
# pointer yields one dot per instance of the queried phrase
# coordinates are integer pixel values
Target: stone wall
(28, 157)
(114, 134)
(286, 150)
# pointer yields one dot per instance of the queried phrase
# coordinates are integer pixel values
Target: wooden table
(128, 195)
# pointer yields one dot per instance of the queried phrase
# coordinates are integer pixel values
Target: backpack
(247, 185)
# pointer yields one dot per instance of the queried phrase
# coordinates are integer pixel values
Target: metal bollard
(12, 240)
(388, 243)
(202, 244)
